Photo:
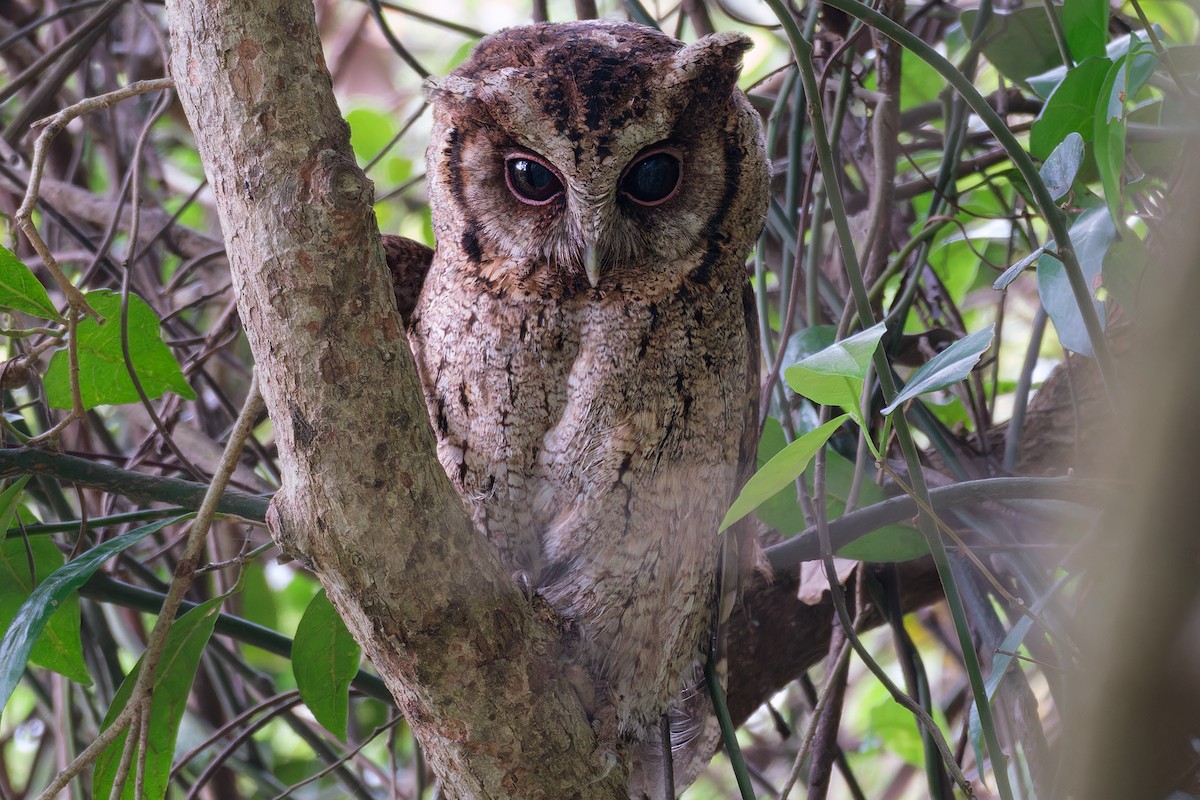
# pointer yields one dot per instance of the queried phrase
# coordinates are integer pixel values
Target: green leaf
(1061, 167)
(897, 731)
(172, 683)
(51, 593)
(1092, 234)
(21, 291)
(946, 368)
(1059, 301)
(370, 131)
(888, 544)
(1009, 275)
(58, 647)
(1071, 108)
(780, 471)
(834, 376)
(1123, 80)
(1124, 266)
(103, 377)
(848, 358)
(1018, 43)
(1045, 83)
(324, 660)
(780, 511)
(1086, 25)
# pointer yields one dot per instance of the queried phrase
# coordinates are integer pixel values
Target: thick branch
(472, 663)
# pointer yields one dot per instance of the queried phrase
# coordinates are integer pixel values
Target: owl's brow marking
(734, 155)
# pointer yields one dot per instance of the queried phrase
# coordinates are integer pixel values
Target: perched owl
(584, 333)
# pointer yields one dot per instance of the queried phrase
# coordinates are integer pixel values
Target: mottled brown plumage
(597, 424)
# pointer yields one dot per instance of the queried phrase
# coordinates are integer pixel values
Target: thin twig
(184, 571)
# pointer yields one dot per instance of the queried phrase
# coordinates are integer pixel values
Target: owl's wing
(408, 261)
(741, 554)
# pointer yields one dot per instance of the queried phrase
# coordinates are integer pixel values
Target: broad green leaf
(1124, 266)
(780, 471)
(1123, 80)
(1046, 82)
(1009, 275)
(103, 377)
(805, 343)
(888, 544)
(1092, 233)
(1018, 43)
(1085, 23)
(780, 511)
(1071, 108)
(946, 368)
(1061, 167)
(324, 660)
(1059, 302)
(849, 358)
(897, 732)
(834, 376)
(21, 291)
(37, 609)
(58, 647)
(172, 683)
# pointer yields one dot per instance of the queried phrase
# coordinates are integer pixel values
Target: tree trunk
(471, 662)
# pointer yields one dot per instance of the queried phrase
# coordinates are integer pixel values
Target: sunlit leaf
(946, 368)
(21, 291)
(103, 376)
(172, 683)
(324, 660)
(834, 376)
(780, 471)
(1085, 23)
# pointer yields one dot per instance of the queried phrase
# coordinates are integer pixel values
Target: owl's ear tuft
(712, 63)
(451, 86)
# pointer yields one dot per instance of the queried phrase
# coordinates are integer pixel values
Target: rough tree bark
(472, 663)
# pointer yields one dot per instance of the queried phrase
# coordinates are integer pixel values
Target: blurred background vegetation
(955, 243)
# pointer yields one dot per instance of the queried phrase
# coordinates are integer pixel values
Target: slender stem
(803, 52)
(1055, 218)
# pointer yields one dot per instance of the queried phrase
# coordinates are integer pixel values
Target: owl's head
(601, 154)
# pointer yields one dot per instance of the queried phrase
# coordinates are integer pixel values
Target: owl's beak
(591, 265)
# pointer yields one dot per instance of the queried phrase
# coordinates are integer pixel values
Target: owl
(584, 333)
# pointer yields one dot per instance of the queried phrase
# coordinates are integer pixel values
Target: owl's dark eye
(530, 180)
(652, 179)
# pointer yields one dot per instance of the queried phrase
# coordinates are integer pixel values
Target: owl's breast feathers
(598, 443)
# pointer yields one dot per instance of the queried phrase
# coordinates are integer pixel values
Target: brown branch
(472, 663)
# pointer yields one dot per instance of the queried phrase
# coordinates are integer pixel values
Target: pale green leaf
(780, 471)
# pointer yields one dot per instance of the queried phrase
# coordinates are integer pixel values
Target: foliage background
(937, 213)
